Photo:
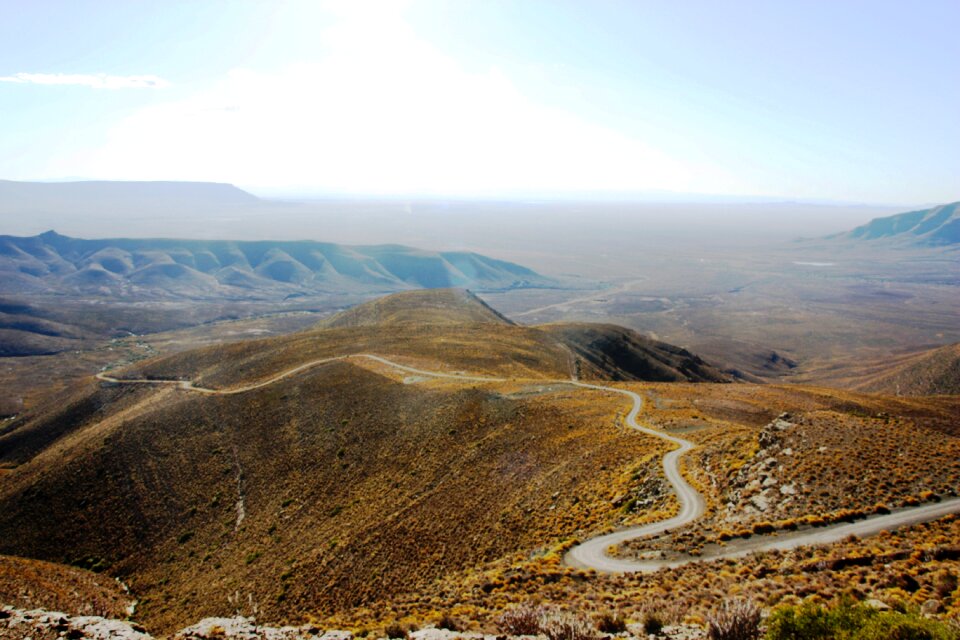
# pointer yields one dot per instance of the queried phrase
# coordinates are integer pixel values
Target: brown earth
(35, 584)
(835, 455)
(902, 569)
(358, 493)
(328, 488)
(926, 372)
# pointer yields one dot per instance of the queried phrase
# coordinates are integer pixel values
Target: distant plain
(752, 286)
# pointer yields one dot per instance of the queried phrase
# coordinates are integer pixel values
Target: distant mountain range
(117, 197)
(159, 268)
(937, 226)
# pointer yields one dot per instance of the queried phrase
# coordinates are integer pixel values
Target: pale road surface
(189, 386)
(592, 554)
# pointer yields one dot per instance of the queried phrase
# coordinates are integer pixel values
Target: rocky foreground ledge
(39, 624)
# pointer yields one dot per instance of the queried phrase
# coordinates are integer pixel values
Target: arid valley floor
(371, 462)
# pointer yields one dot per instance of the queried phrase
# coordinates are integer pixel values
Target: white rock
(879, 605)
(236, 627)
(760, 502)
(104, 629)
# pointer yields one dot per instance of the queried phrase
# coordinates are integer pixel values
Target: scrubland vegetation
(832, 457)
(359, 496)
(908, 570)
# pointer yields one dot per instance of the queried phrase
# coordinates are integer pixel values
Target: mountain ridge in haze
(158, 268)
(936, 226)
(104, 195)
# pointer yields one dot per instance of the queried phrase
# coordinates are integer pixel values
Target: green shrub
(91, 563)
(851, 621)
(899, 626)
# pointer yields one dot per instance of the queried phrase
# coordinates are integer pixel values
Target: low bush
(652, 624)
(608, 622)
(449, 623)
(532, 620)
(560, 625)
(735, 620)
(521, 621)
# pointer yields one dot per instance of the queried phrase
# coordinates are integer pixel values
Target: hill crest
(931, 372)
(430, 307)
(935, 226)
(51, 263)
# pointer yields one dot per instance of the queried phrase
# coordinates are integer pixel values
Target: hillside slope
(331, 488)
(928, 372)
(353, 490)
(163, 268)
(317, 494)
(618, 353)
(451, 326)
(932, 372)
(439, 306)
(33, 583)
(932, 227)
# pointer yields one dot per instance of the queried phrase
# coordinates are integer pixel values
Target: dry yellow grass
(905, 568)
(357, 494)
(33, 584)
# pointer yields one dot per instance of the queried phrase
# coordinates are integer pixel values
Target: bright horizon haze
(851, 101)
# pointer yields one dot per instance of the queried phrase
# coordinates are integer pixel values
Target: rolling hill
(453, 326)
(327, 489)
(298, 480)
(919, 372)
(158, 268)
(443, 307)
(931, 372)
(624, 354)
(936, 226)
(928, 372)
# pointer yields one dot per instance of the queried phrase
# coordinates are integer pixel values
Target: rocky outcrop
(39, 624)
(757, 486)
(241, 628)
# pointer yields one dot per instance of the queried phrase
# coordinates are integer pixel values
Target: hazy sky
(850, 100)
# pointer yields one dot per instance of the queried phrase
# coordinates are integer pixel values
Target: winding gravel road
(189, 386)
(592, 554)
